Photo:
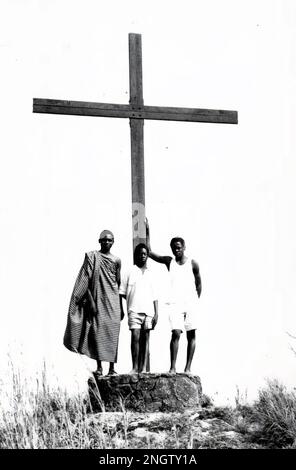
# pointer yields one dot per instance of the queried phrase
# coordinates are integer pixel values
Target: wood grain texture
(135, 111)
(135, 69)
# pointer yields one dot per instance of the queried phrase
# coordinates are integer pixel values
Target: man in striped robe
(94, 314)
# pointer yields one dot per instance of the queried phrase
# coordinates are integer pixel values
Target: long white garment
(183, 289)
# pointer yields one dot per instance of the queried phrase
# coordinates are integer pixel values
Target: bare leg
(141, 349)
(145, 354)
(99, 370)
(135, 350)
(190, 349)
(111, 369)
(174, 346)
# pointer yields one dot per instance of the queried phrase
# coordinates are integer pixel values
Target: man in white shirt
(137, 287)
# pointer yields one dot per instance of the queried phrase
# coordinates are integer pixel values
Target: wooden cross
(136, 112)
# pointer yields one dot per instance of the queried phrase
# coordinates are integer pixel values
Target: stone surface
(145, 392)
(204, 428)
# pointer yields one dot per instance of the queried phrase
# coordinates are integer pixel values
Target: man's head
(106, 241)
(141, 255)
(178, 247)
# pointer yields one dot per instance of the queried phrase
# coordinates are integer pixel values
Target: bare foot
(133, 371)
(172, 371)
(98, 372)
(188, 371)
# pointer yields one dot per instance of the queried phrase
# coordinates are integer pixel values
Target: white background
(228, 190)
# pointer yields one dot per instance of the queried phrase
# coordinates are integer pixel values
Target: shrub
(276, 411)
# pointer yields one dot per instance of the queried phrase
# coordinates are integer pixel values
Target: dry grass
(37, 416)
(276, 411)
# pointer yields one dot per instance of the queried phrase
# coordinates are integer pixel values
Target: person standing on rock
(185, 283)
(94, 314)
(138, 288)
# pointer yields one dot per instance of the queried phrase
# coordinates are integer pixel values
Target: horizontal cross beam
(83, 108)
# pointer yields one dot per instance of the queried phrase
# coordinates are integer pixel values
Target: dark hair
(175, 240)
(138, 249)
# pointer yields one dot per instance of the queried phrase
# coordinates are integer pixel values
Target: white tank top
(183, 290)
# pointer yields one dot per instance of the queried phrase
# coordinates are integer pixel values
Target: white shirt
(139, 288)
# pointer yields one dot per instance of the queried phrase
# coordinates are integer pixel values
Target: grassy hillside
(39, 417)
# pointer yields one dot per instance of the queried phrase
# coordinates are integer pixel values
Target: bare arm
(158, 258)
(155, 318)
(118, 269)
(197, 278)
(121, 296)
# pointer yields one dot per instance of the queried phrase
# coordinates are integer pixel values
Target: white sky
(228, 190)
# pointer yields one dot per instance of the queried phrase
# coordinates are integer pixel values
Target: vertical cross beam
(137, 140)
(137, 158)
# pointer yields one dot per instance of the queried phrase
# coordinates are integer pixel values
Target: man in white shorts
(138, 288)
(185, 290)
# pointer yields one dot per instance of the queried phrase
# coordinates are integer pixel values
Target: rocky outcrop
(206, 428)
(145, 392)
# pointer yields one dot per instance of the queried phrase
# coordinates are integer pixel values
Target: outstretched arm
(158, 258)
(196, 273)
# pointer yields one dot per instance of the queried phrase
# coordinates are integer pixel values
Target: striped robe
(95, 334)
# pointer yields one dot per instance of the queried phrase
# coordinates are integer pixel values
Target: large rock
(145, 392)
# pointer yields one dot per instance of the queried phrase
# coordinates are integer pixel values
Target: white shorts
(137, 321)
(182, 320)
